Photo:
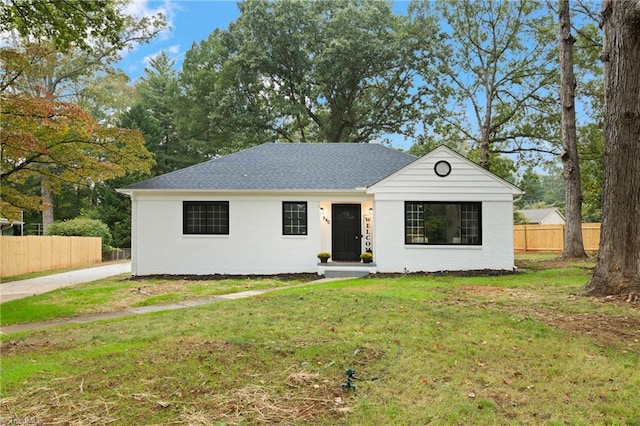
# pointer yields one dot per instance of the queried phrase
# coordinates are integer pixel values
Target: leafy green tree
(519, 218)
(552, 186)
(495, 80)
(140, 118)
(591, 152)
(106, 96)
(113, 209)
(70, 200)
(110, 207)
(66, 24)
(531, 183)
(332, 70)
(424, 145)
(60, 143)
(544, 188)
(159, 95)
(590, 95)
(218, 114)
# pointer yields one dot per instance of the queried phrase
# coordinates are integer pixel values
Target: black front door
(345, 232)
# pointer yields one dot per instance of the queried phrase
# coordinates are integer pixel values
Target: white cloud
(148, 8)
(170, 50)
(173, 49)
(151, 57)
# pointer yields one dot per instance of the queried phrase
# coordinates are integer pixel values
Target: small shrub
(83, 227)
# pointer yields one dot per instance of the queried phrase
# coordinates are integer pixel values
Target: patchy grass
(520, 349)
(122, 292)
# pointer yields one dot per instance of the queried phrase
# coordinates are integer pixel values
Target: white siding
(466, 183)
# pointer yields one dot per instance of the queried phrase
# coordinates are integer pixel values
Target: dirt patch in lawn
(482, 289)
(164, 287)
(302, 277)
(303, 397)
(144, 289)
(605, 328)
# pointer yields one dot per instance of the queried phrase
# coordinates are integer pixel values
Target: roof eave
(131, 191)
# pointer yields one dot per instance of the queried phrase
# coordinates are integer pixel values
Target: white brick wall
(392, 255)
(255, 244)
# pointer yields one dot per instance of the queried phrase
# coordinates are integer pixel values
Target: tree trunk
(618, 267)
(573, 244)
(47, 205)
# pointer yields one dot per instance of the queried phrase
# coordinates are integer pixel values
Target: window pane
(294, 218)
(470, 224)
(442, 223)
(414, 223)
(206, 217)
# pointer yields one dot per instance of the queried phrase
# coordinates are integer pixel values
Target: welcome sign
(368, 232)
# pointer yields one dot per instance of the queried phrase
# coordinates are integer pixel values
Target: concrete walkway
(30, 287)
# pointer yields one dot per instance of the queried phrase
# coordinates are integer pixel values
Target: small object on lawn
(351, 376)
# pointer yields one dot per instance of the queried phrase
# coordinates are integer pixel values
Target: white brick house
(271, 208)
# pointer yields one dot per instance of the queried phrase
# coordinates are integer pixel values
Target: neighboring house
(550, 216)
(7, 224)
(271, 208)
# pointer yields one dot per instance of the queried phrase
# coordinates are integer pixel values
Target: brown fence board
(22, 255)
(551, 237)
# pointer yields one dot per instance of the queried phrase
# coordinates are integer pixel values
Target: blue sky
(190, 21)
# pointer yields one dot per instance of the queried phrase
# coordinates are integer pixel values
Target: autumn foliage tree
(55, 47)
(59, 142)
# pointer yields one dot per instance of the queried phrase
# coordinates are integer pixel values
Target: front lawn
(122, 292)
(515, 349)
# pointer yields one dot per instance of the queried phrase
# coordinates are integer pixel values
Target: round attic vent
(442, 168)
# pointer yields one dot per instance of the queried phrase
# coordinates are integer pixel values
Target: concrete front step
(337, 269)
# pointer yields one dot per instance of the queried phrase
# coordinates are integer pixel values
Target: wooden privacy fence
(551, 237)
(21, 255)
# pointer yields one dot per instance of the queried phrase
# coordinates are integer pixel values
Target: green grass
(520, 349)
(121, 292)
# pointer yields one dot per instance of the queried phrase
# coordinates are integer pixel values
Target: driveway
(31, 287)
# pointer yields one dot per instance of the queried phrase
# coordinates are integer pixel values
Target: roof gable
(287, 166)
(466, 176)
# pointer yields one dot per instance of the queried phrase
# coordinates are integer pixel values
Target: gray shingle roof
(288, 166)
(538, 215)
